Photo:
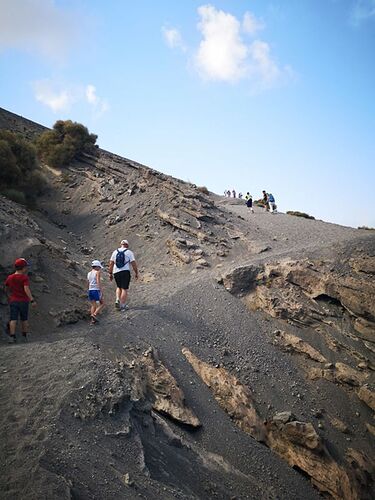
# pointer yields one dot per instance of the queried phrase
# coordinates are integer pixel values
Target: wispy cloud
(251, 24)
(59, 97)
(99, 105)
(37, 26)
(362, 10)
(173, 38)
(54, 96)
(224, 53)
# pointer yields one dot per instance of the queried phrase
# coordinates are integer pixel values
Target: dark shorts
(95, 295)
(122, 279)
(19, 310)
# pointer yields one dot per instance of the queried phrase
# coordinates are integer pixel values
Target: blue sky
(250, 95)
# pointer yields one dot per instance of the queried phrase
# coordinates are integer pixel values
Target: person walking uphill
(249, 201)
(119, 268)
(17, 287)
(95, 293)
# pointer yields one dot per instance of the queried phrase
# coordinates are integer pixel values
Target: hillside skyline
(248, 95)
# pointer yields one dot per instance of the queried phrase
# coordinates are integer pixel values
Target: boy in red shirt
(17, 286)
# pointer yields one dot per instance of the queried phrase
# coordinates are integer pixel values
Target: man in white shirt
(119, 268)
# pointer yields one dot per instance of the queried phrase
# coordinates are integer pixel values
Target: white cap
(96, 263)
(124, 242)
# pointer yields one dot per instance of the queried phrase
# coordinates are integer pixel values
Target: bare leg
(98, 308)
(123, 297)
(25, 328)
(118, 294)
(12, 327)
(93, 307)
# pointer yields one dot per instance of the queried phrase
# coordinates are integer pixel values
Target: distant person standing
(95, 293)
(233, 193)
(249, 201)
(272, 203)
(17, 286)
(240, 196)
(265, 201)
(119, 268)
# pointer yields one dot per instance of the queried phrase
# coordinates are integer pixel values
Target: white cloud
(173, 38)
(221, 54)
(362, 10)
(53, 96)
(262, 65)
(224, 54)
(60, 97)
(99, 105)
(251, 24)
(37, 26)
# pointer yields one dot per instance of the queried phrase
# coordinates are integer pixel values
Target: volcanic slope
(242, 369)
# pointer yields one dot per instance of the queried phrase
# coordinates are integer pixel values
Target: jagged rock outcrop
(294, 343)
(151, 376)
(340, 373)
(231, 395)
(311, 292)
(296, 442)
(367, 395)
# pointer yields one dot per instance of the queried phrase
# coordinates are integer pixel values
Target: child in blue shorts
(95, 293)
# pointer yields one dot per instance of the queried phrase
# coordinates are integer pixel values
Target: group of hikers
(17, 287)
(268, 200)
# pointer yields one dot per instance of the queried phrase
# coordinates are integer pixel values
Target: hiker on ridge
(265, 201)
(249, 201)
(119, 268)
(17, 286)
(271, 203)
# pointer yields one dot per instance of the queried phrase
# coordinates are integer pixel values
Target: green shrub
(259, 203)
(14, 195)
(203, 189)
(300, 214)
(367, 228)
(65, 142)
(20, 177)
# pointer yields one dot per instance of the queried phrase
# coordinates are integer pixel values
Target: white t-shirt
(92, 279)
(129, 257)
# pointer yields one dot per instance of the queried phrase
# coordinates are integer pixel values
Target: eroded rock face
(152, 376)
(146, 380)
(311, 292)
(296, 442)
(231, 395)
(292, 342)
(340, 373)
(367, 395)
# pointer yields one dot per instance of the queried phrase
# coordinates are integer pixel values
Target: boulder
(367, 395)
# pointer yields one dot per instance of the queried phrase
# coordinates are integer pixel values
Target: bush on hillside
(203, 189)
(300, 214)
(259, 203)
(20, 177)
(65, 142)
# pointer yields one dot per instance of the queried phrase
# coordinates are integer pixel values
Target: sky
(245, 94)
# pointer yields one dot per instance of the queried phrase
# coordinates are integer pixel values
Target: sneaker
(117, 305)
(12, 339)
(94, 319)
(124, 307)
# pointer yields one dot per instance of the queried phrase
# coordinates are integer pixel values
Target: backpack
(120, 259)
(271, 198)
